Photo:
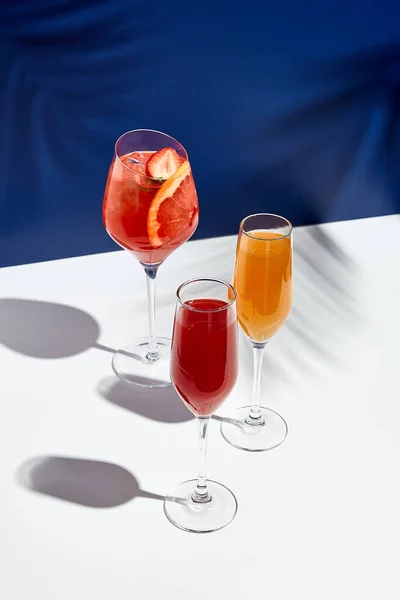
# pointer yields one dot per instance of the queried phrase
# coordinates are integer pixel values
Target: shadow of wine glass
(48, 330)
(158, 404)
(86, 482)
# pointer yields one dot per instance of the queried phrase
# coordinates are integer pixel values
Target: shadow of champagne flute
(230, 420)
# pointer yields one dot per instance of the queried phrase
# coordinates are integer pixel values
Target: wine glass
(204, 368)
(263, 283)
(150, 208)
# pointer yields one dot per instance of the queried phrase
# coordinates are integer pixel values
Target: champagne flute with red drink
(204, 369)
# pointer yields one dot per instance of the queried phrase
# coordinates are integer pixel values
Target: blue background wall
(291, 109)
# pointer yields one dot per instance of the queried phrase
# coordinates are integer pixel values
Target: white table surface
(318, 517)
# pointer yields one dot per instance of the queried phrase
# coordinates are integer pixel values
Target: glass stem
(255, 415)
(201, 493)
(151, 273)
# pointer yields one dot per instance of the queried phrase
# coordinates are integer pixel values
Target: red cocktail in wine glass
(150, 208)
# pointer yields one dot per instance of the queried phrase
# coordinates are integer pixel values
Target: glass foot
(198, 517)
(133, 365)
(254, 438)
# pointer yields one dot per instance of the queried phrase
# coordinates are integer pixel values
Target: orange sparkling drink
(263, 282)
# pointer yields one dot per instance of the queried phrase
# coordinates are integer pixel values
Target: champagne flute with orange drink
(263, 284)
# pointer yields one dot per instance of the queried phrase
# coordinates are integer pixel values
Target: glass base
(132, 364)
(200, 517)
(268, 434)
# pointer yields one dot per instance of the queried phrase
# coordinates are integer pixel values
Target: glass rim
(117, 156)
(205, 310)
(267, 239)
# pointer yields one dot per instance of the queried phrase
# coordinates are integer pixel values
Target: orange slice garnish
(173, 209)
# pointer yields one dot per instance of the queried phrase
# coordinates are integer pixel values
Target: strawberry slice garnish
(163, 164)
